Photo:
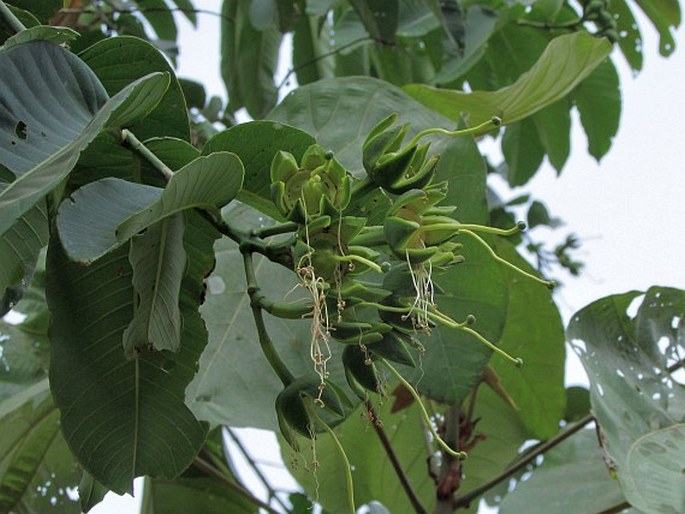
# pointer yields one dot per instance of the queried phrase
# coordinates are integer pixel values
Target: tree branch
(465, 501)
(390, 452)
(213, 472)
(270, 490)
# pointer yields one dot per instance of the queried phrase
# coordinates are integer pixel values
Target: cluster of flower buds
(388, 165)
(318, 185)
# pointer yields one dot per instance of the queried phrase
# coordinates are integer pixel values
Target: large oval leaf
(43, 167)
(124, 418)
(637, 403)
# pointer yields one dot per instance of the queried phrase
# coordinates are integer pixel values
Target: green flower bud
(394, 169)
(318, 186)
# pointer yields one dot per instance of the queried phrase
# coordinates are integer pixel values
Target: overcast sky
(628, 210)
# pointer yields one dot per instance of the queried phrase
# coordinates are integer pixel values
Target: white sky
(627, 210)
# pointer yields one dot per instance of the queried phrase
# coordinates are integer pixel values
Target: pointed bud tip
(518, 362)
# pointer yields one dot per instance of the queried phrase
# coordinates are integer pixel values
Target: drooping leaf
(598, 99)
(256, 143)
(361, 102)
(138, 421)
(119, 209)
(160, 18)
(637, 403)
(158, 261)
(308, 64)
(106, 203)
(553, 124)
(567, 60)
(533, 331)
(522, 151)
(630, 37)
(209, 182)
(26, 145)
(24, 355)
(35, 465)
(664, 15)
(248, 60)
(380, 17)
(572, 473)
(90, 492)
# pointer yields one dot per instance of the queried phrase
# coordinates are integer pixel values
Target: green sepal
(400, 233)
(291, 407)
(395, 347)
(283, 166)
(392, 167)
(359, 332)
(417, 175)
(354, 292)
(360, 370)
(382, 140)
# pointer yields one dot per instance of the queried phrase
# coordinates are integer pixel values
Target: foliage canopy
(335, 270)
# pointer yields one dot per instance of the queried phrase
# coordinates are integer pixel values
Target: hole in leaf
(20, 130)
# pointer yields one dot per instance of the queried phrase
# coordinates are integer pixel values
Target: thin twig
(464, 501)
(390, 452)
(205, 466)
(319, 57)
(269, 489)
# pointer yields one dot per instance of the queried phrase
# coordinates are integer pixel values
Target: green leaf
(35, 467)
(598, 99)
(361, 102)
(234, 385)
(248, 60)
(453, 361)
(106, 203)
(160, 18)
(194, 93)
(479, 24)
(66, 86)
(462, 166)
(19, 248)
(637, 404)
(572, 473)
(654, 470)
(256, 143)
(553, 124)
(663, 14)
(522, 151)
(24, 355)
(209, 182)
(195, 490)
(373, 475)
(504, 435)
(577, 403)
(118, 61)
(56, 35)
(90, 492)
(158, 260)
(192, 494)
(416, 18)
(138, 423)
(380, 17)
(308, 64)
(567, 60)
(41, 9)
(630, 37)
(533, 331)
(119, 209)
